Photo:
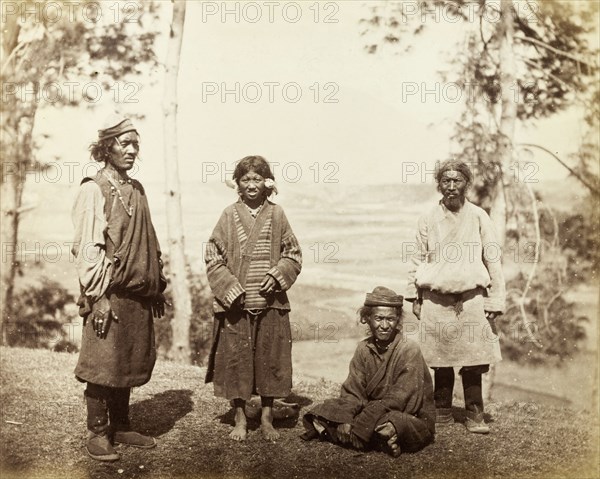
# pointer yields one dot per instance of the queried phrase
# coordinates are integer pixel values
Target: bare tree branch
(555, 50)
(573, 172)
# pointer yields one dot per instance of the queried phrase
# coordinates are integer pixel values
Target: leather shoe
(134, 439)
(475, 423)
(99, 447)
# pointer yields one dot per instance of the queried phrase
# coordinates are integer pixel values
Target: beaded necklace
(114, 187)
(254, 211)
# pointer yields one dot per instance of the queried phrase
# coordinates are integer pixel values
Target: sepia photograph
(300, 239)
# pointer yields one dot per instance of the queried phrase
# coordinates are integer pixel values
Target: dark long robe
(392, 386)
(252, 348)
(126, 356)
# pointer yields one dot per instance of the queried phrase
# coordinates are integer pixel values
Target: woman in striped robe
(252, 259)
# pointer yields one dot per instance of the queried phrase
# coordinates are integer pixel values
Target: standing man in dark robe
(457, 289)
(387, 400)
(117, 257)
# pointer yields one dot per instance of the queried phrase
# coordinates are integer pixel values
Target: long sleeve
(492, 259)
(289, 265)
(352, 395)
(405, 393)
(89, 244)
(223, 283)
(418, 257)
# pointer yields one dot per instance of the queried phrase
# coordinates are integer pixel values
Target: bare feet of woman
(266, 420)
(268, 431)
(240, 431)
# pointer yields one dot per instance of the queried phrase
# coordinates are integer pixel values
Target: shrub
(201, 321)
(551, 319)
(41, 313)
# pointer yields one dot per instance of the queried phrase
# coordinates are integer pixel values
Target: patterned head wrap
(115, 126)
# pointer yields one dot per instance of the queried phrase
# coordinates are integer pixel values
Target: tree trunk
(9, 190)
(508, 120)
(182, 304)
(11, 201)
(18, 154)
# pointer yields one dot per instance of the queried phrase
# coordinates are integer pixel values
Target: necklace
(114, 187)
(254, 211)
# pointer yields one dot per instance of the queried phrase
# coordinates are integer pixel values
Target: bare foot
(266, 419)
(240, 431)
(388, 433)
(394, 447)
(268, 431)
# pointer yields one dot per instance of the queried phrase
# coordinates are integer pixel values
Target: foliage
(201, 325)
(52, 52)
(555, 325)
(44, 311)
(555, 68)
(579, 233)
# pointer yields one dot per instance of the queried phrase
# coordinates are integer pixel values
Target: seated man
(387, 400)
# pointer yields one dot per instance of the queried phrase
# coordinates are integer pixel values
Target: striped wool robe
(251, 351)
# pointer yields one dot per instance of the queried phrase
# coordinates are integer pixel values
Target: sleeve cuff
(232, 295)
(493, 304)
(274, 271)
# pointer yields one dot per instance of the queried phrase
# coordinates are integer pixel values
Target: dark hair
(252, 163)
(456, 165)
(365, 313)
(101, 150)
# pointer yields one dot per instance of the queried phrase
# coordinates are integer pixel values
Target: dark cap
(382, 296)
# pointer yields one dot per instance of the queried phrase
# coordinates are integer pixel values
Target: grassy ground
(39, 394)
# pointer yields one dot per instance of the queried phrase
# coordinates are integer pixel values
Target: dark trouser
(471, 379)
(104, 402)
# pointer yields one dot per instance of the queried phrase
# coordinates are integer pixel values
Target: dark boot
(471, 378)
(442, 395)
(98, 444)
(118, 407)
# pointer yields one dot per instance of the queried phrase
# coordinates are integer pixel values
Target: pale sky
(383, 110)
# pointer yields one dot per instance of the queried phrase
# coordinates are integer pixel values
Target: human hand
(238, 303)
(268, 285)
(344, 433)
(417, 305)
(101, 316)
(491, 317)
(158, 306)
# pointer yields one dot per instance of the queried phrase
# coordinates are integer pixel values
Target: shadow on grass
(253, 412)
(157, 415)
